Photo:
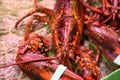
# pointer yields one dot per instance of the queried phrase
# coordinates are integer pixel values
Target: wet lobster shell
(34, 70)
(42, 70)
(39, 70)
(106, 39)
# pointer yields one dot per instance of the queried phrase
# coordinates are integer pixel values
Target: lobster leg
(91, 8)
(105, 4)
(34, 10)
(37, 17)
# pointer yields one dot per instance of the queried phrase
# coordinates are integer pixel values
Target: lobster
(67, 20)
(67, 27)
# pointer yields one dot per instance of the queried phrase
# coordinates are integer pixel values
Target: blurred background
(10, 12)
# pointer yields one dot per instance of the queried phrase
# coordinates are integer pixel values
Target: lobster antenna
(34, 60)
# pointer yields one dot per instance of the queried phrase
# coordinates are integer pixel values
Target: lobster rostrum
(67, 20)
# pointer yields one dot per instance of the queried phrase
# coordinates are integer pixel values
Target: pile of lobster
(72, 23)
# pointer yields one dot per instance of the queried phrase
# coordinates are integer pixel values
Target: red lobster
(67, 20)
(67, 26)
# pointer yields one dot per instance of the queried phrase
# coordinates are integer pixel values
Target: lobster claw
(31, 52)
(42, 70)
(33, 70)
(106, 39)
